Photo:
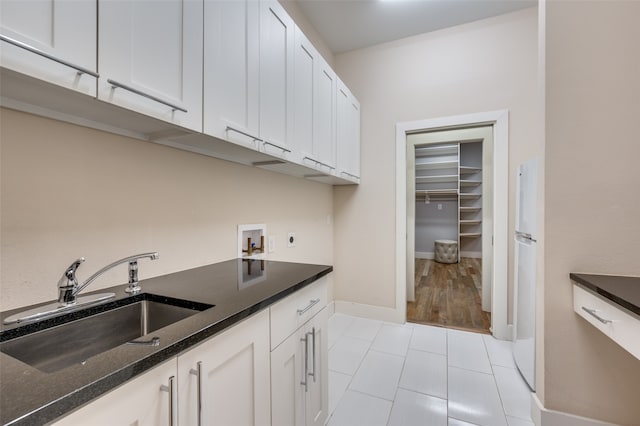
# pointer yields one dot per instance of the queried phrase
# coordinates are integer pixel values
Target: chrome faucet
(68, 284)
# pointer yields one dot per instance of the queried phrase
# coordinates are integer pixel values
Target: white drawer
(294, 310)
(622, 327)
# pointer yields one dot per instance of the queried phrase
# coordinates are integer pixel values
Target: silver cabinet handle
(173, 107)
(525, 235)
(305, 382)
(349, 174)
(198, 373)
(170, 390)
(154, 341)
(313, 352)
(244, 133)
(276, 146)
(311, 304)
(79, 69)
(319, 162)
(593, 313)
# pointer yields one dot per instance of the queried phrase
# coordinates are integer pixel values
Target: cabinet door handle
(311, 304)
(198, 373)
(319, 162)
(593, 313)
(275, 146)
(305, 382)
(79, 69)
(243, 133)
(313, 352)
(349, 174)
(173, 107)
(170, 390)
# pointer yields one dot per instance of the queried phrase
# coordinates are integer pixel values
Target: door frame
(499, 285)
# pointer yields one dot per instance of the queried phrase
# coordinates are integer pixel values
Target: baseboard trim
(380, 313)
(424, 255)
(545, 417)
(331, 308)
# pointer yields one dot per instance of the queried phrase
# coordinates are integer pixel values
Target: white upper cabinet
(150, 58)
(63, 32)
(305, 79)
(325, 141)
(276, 78)
(232, 71)
(348, 134)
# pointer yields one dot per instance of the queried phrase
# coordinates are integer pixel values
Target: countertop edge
(74, 400)
(582, 279)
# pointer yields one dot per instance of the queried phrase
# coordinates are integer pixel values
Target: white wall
(592, 199)
(486, 65)
(69, 191)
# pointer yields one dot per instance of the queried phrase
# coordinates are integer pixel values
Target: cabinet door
(348, 133)
(305, 91)
(317, 396)
(288, 396)
(325, 141)
(150, 58)
(231, 70)
(143, 401)
(234, 377)
(276, 78)
(63, 29)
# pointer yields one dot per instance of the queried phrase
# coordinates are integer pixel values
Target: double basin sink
(75, 340)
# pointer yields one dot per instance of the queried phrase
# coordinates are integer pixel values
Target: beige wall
(69, 191)
(482, 66)
(592, 198)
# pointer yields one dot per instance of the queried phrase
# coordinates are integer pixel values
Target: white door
(144, 401)
(325, 140)
(150, 58)
(232, 71)
(234, 377)
(64, 29)
(305, 91)
(347, 133)
(276, 78)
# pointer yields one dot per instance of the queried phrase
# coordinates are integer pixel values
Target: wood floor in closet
(448, 295)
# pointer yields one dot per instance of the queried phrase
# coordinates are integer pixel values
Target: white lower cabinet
(148, 400)
(299, 376)
(225, 380)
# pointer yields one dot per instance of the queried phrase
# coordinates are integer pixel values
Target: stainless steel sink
(72, 343)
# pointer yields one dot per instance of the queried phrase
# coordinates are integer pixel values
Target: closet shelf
(470, 209)
(469, 196)
(467, 183)
(436, 165)
(429, 151)
(470, 234)
(470, 222)
(465, 170)
(437, 179)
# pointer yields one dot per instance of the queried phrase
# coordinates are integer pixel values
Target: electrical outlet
(439, 206)
(291, 239)
(272, 244)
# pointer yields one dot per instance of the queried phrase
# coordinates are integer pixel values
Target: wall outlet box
(291, 239)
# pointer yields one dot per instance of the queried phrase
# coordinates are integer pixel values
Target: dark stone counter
(236, 288)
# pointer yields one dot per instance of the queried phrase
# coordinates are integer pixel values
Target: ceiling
(353, 24)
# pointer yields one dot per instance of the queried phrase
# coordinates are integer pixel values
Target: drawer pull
(243, 133)
(284, 150)
(593, 313)
(311, 304)
(170, 390)
(198, 373)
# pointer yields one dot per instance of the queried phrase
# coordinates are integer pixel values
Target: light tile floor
(403, 375)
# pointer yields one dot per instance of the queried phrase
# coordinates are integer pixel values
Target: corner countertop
(29, 396)
(621, 290)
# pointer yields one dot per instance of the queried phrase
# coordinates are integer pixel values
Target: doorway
(449, 227)
(497, 300)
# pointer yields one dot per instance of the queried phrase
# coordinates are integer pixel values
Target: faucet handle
(68, 278)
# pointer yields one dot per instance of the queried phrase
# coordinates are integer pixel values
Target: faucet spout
(69, 287)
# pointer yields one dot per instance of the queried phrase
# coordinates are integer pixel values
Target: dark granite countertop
(29, 396)
(621, 290)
